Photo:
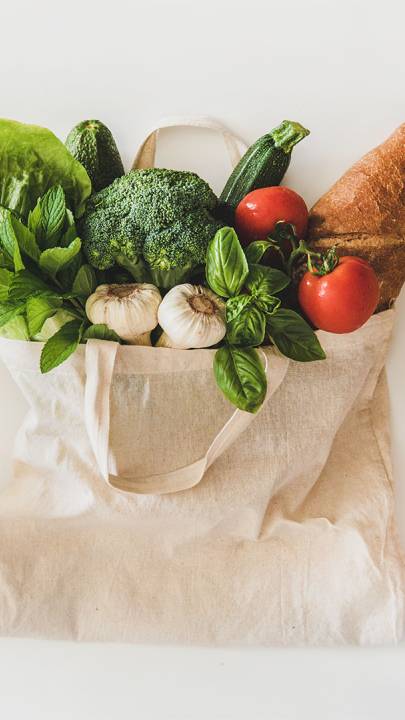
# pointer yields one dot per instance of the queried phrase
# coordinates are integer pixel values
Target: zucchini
(264, 164)
(92, 144)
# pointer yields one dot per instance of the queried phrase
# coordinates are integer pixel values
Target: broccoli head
(164, 215)
(180, 247)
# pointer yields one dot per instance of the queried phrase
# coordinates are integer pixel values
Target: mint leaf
(15, 329)
(85, 281)
(294, 337)
(39, 309)
(61, 345)
(53, 210)
(5, 261)
(226, 267)
(26, 239)
(5, 281)
(100, 332)
(71, 232)
(8, 311)
(24, 284)
(240, 375)
(9, 241)
(55, 259)
(34, 218)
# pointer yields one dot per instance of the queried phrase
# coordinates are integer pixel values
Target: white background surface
(338, 67)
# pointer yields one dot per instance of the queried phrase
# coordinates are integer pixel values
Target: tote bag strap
(146, 155)
(100, 362)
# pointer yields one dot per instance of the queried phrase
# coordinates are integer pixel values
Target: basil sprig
(253, 312)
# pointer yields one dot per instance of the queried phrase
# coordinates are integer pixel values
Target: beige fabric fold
(288, 539)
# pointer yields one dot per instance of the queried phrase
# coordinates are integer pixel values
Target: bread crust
(364, 214)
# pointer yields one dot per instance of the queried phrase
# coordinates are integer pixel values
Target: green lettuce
(32, 159)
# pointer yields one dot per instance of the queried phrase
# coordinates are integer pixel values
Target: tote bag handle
(101, 357)
(100, 362)
(146, 155)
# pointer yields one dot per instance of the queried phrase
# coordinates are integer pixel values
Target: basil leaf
(61, 345)
(264, 280)
(85, 281)
(54, 259)
(39, 309)
(241, 377)
(255, 250)
(9, 241)
(294, 337)
(25, 239)
(24, 284)
(227, 267)
(9, 311)
(267, 303)
(5, 281)
(235, 305)
(248, 328)
(53, 209)
(101, 332)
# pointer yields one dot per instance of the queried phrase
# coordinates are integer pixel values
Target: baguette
(364, 214)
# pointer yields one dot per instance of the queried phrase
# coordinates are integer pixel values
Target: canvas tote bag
(143, 508)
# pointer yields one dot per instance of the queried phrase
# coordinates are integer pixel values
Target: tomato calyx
(285, 236)
(326, 263)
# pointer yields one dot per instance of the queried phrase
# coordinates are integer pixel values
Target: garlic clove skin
(130, 310)
(191, 316)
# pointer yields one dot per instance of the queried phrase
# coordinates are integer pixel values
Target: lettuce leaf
(32, 159)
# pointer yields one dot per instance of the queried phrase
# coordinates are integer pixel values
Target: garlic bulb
(191, 316)
(129, 310)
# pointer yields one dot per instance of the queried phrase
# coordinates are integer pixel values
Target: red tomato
(258, 212)
(342, 300)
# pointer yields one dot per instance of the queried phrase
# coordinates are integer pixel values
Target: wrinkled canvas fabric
(288, 539)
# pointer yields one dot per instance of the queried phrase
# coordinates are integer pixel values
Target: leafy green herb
(5, 280)
(248, 328)
(85, 281)
(25, 239)
(34, 218)
(294, 337)
(53, 210)
(227, 267)
(24, 284)
(255, 250)
(267, 303)
(55, 259)
(71, 230)
(9, 311)
(61, 345)
(235, 305)
(264, 280)
(100, 332)
(39, 309)
(15, 329)
(240, 375)
(9, 242)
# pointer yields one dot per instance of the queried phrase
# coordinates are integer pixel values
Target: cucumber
(93, 145)
(264, 164)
